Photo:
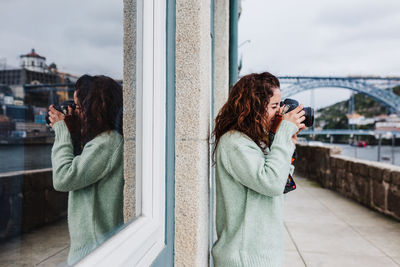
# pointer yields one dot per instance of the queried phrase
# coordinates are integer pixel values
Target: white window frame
(140, 242)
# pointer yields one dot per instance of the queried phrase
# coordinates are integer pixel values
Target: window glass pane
(75, 167)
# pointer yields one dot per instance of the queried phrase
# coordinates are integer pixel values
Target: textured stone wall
(374, 184)
(28, 200)
(221, 53)
(193, 81)
(220, 70)
(129, 117)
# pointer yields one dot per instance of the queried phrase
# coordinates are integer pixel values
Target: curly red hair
(246, 108)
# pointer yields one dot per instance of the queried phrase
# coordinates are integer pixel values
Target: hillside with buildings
(367, 114)
(25, 94)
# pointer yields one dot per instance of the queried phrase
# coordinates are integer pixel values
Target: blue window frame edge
(211, 144)
(233, 42)
(166, 257)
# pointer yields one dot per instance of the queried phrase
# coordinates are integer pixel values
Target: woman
(249, 184)
(93, 178)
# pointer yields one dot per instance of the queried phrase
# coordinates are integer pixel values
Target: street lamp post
(244, 42)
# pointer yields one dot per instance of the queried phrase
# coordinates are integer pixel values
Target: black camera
(63, 108)
(292, 104)
(289, 105)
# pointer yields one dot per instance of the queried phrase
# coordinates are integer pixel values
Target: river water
(388, 154)
(31, 157)
(28, 157)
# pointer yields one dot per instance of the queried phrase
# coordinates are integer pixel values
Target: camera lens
(309, 114)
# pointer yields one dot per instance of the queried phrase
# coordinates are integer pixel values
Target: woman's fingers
(296, 116)
(55, 115)
(299, 130)
(300, 118)
(52, 108)
(70, 110)
(299, 124)
(297, 112)
(297, 109)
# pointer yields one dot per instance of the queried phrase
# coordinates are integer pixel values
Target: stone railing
(374, 184)
(28, 200)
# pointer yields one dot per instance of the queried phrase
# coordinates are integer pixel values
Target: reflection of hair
(246, 108)
(100, 100)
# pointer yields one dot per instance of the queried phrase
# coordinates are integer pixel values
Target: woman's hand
(296, 116)
(294, 137)
(55, 115)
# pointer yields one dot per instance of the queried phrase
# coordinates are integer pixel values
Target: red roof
(33, 54)
(389, 129)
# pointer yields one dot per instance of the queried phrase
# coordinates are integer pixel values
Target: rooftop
(33, 54)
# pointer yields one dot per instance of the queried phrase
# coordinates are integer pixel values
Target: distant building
(357, 119)
(33, 70)
(6, 126)
(387, 123)
(31, 129)
(6, 95)
(19, 113)
(33, 62)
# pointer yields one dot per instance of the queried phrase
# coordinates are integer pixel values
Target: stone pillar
(193, 81)
(221, 69)
(221, 53)
(129, 119)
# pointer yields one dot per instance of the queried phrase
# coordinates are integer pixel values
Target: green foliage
(334, 116)
(396, 90)
(367, 106)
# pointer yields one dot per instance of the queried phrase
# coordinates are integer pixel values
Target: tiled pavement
(324, 229)
(44, 247)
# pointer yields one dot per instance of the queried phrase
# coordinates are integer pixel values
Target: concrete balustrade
(28, 200)
(373, 184)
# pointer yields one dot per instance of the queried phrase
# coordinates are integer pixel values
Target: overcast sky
(79, 36)
(321, 38)
(287, 37)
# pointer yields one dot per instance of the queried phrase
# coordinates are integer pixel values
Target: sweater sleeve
(73, 173)
(265, 175)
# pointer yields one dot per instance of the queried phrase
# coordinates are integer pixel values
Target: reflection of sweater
(250, 199)
(95, 181)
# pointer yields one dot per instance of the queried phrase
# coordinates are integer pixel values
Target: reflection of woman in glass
(94, 177)
(250, 184)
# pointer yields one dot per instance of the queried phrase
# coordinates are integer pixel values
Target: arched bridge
(375, 87)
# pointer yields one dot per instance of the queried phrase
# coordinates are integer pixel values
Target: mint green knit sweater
(94, 181)
(250, 199)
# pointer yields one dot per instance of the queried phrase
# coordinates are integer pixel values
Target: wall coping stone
(381, 165)
(16, 173)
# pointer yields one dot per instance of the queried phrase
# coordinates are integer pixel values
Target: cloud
(313, 37)
(79, 36)
(356, 13)
(321, 38)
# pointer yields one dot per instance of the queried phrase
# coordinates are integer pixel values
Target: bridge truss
(329, 132)
(377, 88)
